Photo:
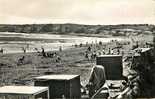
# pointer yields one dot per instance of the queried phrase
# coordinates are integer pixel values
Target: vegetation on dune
(114, 30)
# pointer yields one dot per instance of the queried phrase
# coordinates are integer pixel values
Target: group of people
(42, 53)
(93, 51)
(50, 54)
(130, 86)
(134, 84)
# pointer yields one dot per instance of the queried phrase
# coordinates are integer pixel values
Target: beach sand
(73, 62)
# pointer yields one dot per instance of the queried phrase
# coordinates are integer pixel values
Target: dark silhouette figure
(21, 60)
(2, 50)
(43, 52)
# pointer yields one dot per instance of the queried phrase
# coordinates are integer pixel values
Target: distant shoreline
(80, 29)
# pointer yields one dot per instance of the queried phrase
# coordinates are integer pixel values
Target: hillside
(114, 30)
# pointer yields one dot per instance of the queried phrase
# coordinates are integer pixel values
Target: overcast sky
(77, 11)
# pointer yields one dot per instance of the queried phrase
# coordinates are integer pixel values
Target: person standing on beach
(43, 52)
(118, 51)
(60, 48)
(24, 49)
(2, 50)
(109, 51)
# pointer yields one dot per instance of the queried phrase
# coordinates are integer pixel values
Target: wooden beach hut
(113, 66)
(60, 86)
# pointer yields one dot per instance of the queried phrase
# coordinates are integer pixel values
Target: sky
(77, 11)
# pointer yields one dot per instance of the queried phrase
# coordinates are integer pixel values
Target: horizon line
(76, 24)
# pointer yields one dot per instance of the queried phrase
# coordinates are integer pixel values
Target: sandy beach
(73, 61)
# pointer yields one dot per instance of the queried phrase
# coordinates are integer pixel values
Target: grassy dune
(73, 62)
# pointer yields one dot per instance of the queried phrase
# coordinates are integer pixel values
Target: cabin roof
(109, 55)
(57, 77)
(22, 90)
